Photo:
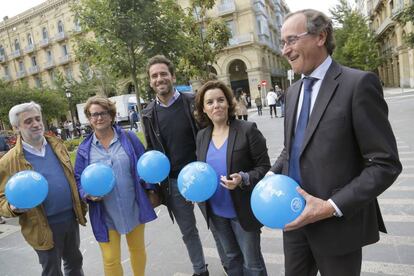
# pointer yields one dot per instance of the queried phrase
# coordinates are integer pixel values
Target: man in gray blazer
(339, 147)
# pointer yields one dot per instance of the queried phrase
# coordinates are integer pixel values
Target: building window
(68, 73)
(29, 39)
(21, 66)
(49, 55)
(6, 71)
(34, 62)
(60, 26)
(65, 50)
(2, 51)
(38, 82)
(16, 44)
(231, 26)
(52, 75)
(44, 33)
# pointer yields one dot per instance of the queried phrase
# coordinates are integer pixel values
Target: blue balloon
(197, 181)
(153, 166)
(98, 179)
(26, 189)
(275, 201)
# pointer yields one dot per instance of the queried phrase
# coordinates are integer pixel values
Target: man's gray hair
(24, 107)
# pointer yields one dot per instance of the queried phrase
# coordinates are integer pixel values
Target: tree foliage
(205, 37)
(53, 103)
(355, 42)
(127, 33)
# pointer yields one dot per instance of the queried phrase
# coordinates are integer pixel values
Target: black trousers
(66, 239)
(301, 260)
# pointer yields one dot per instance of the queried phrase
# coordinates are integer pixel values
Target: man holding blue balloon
(52, 227)
(339, 147)
(171, 129)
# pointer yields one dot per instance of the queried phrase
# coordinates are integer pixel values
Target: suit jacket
(349, 154)
(246, 152)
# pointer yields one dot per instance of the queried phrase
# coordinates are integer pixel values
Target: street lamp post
(69, 96)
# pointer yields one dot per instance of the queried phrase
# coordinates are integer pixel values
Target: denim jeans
(242, 248)
(183, 212)
(66, 240)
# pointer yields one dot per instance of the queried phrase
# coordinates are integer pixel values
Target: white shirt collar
(35, 151)
(321, 70)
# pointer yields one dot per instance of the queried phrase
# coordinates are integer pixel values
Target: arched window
(29, 39)
(44, 33)
(16, 44)
(60, 26)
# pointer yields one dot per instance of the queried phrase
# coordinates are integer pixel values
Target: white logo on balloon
(296, 204)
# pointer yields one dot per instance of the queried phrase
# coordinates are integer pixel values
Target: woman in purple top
(126, 209)
(237, 151)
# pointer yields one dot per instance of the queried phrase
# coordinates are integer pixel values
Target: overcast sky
(14, 7)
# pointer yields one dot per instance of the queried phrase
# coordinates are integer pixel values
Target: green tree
(405, 17)
(53, 103)
(127, 33)
(355, 42)
(205, 38)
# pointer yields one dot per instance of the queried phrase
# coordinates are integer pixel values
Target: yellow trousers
(111, 252)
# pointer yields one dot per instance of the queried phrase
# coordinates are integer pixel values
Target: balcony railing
(227, 7)
(387, 23)
(240, 39)
(65, 59)
(77, 29)
(21, 74)
(2, 58)
(33, 70)
(29, 48)
(6, 78)
(48, 64)
(15, 54)
(60, 36)
(44, 42)
(397, 10)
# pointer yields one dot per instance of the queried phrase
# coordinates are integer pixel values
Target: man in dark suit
(339, 147)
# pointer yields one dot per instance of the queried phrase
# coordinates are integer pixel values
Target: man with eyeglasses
(339, 147)
(51, 228)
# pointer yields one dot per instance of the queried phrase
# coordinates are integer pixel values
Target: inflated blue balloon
(197, 181)
(275, 201)
(26, 189)
(98, 179)
(153, 166)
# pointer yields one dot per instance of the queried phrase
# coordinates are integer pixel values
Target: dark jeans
(272, 106)
(67, 241)
(259, 110)
(242, 248)
(183, 212)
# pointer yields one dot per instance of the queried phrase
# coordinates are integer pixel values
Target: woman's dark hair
(199, 114)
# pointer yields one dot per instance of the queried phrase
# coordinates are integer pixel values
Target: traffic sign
(264, 82)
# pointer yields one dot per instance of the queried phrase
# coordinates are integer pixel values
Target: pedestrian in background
(51, 228)
(258, 102)
(126, 209)
(241, 104)
(271, 98)
(238, 171)
(339, 147)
